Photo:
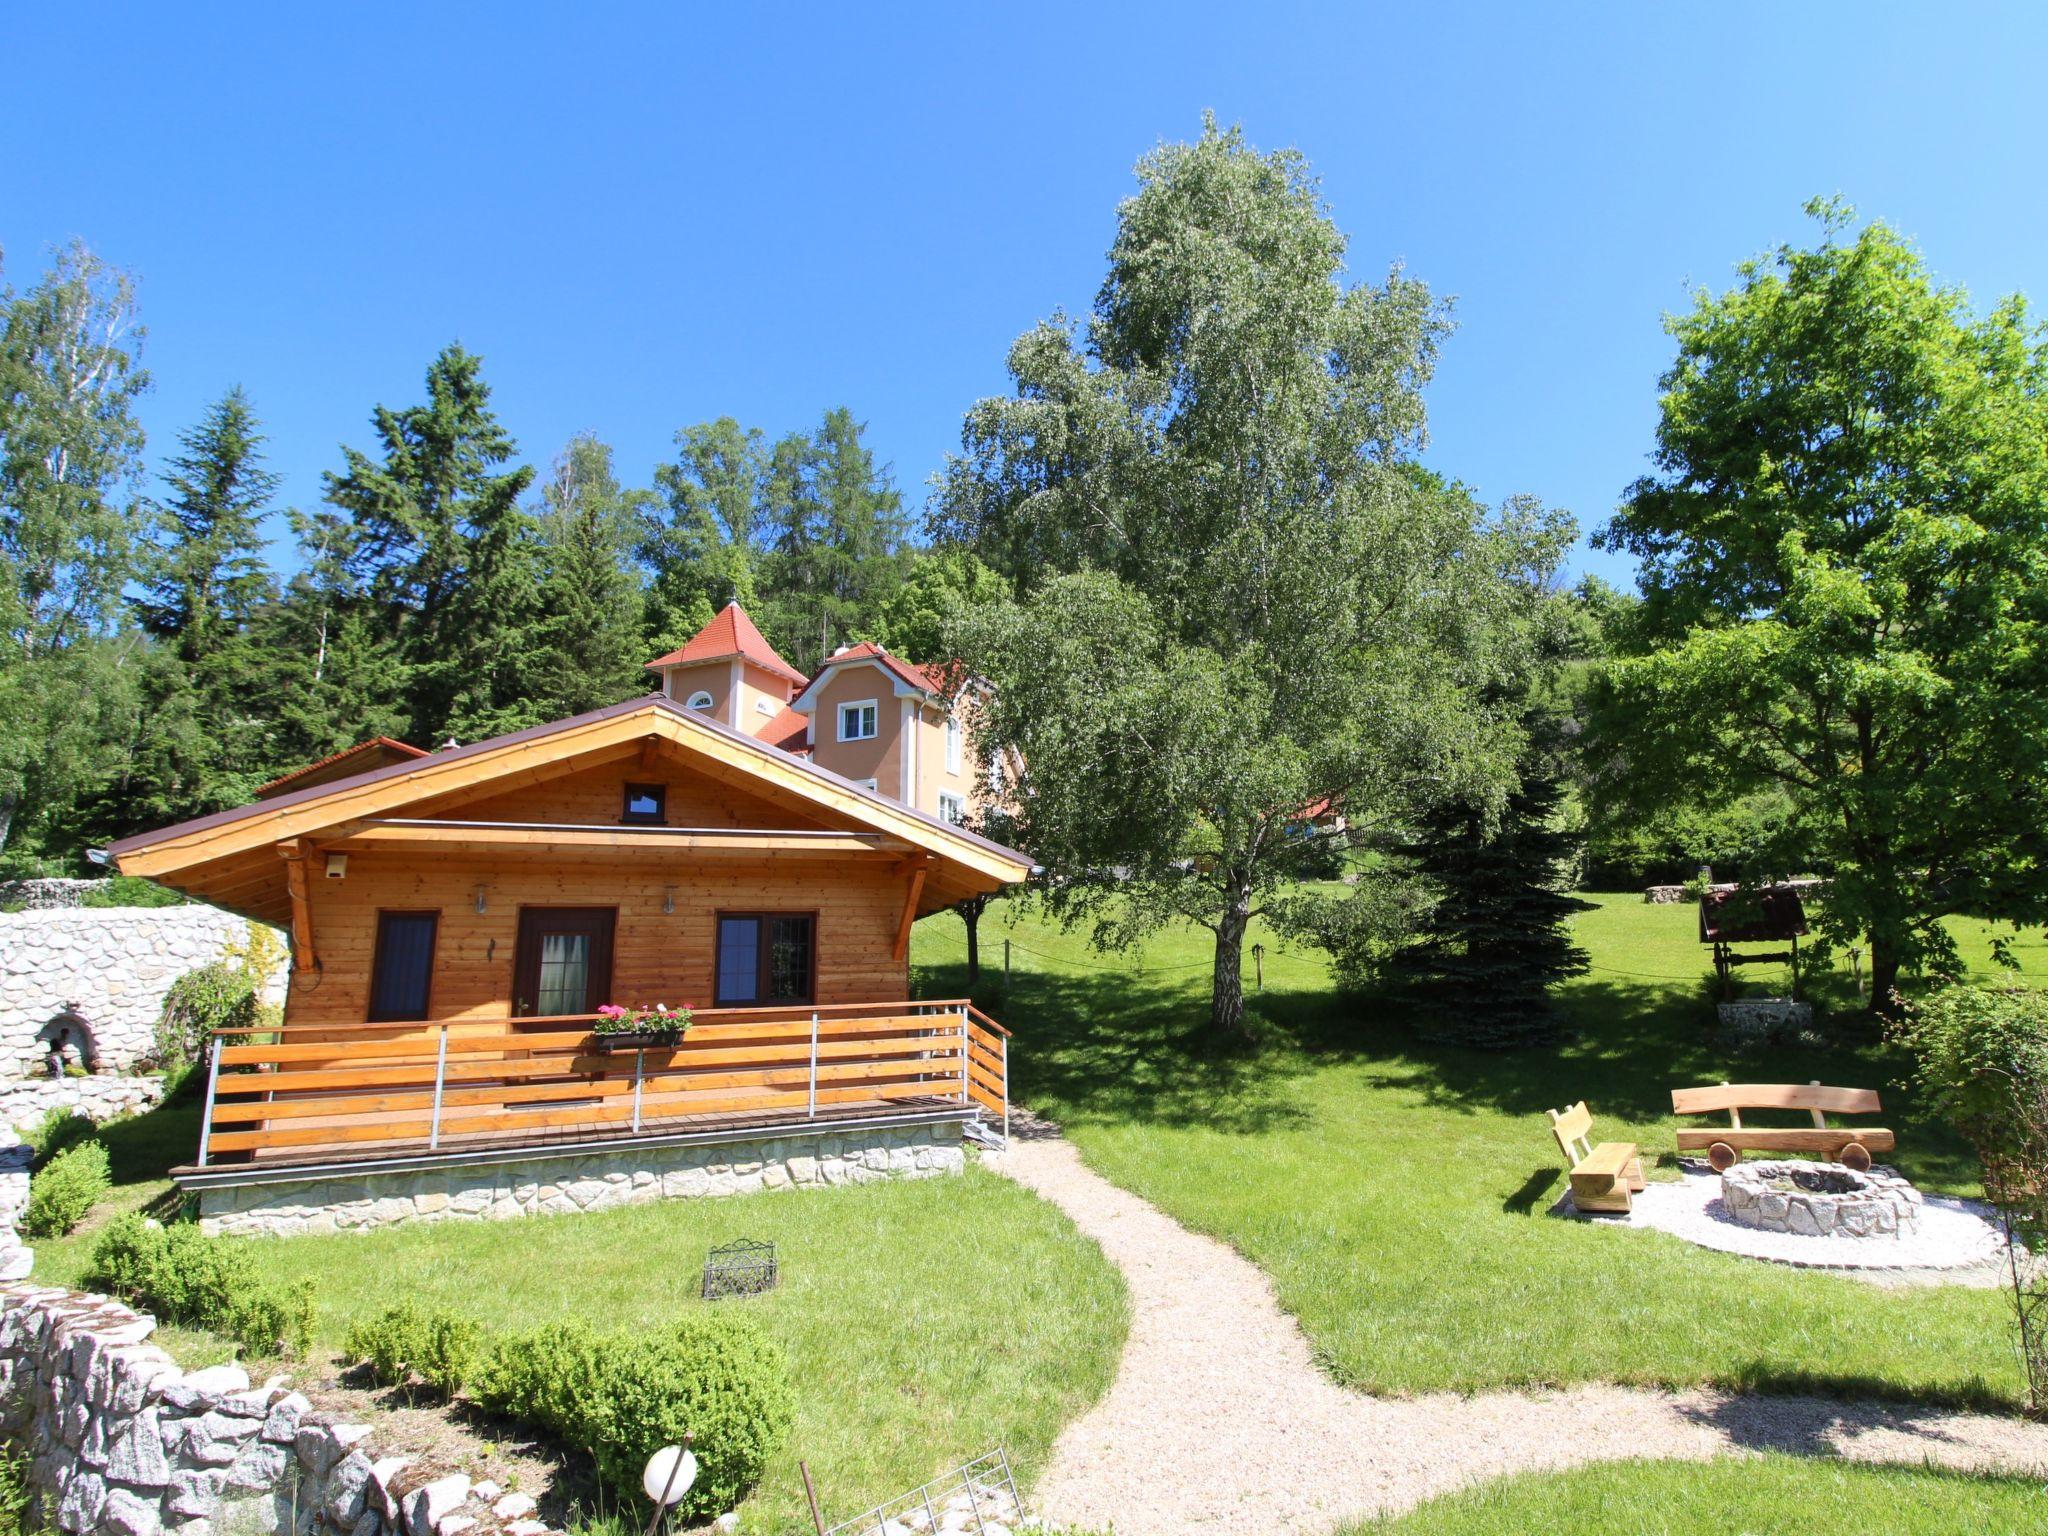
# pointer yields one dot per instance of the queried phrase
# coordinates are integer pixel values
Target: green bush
(64, 1189)
(58, 1129)
(226, 994)
(713, 1374)
(184, 1276)
(14, 1490)
(405, 1341)
(130, 891)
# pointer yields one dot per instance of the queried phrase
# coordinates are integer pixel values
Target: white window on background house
(952, 808)
(699, 700)
(858, 722)
(952, 743)
(764, 706)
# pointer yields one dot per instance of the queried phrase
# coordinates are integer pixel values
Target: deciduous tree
(1842, 557)
(1239, 601)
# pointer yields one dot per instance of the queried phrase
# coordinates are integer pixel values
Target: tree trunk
(7, 800)
(1226, 993)
(970, 913)
(1884, 973)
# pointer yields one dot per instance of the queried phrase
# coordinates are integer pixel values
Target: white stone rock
(124, 1514)
(431, 1503)
(513, 1506)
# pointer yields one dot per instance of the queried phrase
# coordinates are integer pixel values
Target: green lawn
(1396, 1193)
(925, 1321)
(1761, 1496)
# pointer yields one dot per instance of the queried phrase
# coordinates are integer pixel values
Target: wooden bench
(1850, 1146)
(1602, 1177)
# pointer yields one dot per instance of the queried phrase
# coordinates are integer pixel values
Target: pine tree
(209, 576)
(593, 630)
(445, 554)
(833, 529)
(203, 738)
(1497, 938)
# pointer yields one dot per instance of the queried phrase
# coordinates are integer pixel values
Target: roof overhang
(231, 858)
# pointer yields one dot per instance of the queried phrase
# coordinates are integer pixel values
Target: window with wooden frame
(645, 805)
(766, 959)
(402, 969)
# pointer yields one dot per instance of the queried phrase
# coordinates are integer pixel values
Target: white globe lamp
(670, 1471)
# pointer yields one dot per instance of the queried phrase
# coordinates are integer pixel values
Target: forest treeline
(444, 587)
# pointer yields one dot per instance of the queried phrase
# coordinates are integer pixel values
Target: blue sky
(644, 217)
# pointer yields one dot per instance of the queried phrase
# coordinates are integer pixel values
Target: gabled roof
(377, 752)
(730, 633)
(231, 857)
(907, 676)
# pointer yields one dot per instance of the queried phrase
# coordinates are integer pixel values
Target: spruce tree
(208, 576)
(1497, 938)
(445, 554)
(592, 636)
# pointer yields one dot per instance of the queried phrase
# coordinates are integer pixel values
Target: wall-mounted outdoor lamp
(668, 898)
(337, 866)
(480, 900)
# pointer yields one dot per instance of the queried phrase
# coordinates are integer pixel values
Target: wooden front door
(563, 963)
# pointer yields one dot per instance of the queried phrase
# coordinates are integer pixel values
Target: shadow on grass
(1523, 1201)
(1805, 1410)
(1134, 1049)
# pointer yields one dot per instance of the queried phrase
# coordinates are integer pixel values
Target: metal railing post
(440, 1082)
(639, 1074)
(814, 1065)
(206, 1114)
(1003, 1044)
(963, 1056)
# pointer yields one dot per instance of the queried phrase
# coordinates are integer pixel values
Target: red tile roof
(377, 752)
(789, 730)
(730, 633)
(931, 679)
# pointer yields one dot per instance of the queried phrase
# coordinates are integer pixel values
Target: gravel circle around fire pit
(1957, 1243)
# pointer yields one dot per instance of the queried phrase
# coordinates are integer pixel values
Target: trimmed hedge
(437, 1347)
(184, 1276)
(713, 1374)
(65, 1188)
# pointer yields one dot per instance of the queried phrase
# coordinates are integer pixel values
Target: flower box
(639, 1029)
(637, 1039)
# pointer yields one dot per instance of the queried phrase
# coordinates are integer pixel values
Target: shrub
(58, 1129)
(130, 891)
(404, 1342)
(226, 994)
(64, 1189)
(14, 1489)
(713, 1374)
(184, 1276)
(1981, 1058)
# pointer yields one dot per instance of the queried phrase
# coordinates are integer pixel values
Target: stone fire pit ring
(1820, 1199)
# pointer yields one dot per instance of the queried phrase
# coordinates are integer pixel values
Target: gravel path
(1219, 1420)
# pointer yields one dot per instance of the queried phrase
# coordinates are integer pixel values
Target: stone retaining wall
(631, 1174)
(38, 894)
(24, 1101)
(122, 1442)
(114, 965)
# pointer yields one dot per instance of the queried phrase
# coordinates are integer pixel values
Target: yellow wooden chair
(1602, 1177)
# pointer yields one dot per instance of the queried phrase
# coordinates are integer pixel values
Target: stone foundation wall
(630, 1174)
(114, 964)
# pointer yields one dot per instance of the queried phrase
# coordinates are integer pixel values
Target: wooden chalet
(458, 917)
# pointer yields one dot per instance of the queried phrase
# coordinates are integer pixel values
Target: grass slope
(925, 1321)
(1753, 1496)
(1396, 1192)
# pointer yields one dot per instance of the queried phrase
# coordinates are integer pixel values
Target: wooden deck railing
(307, 1093)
